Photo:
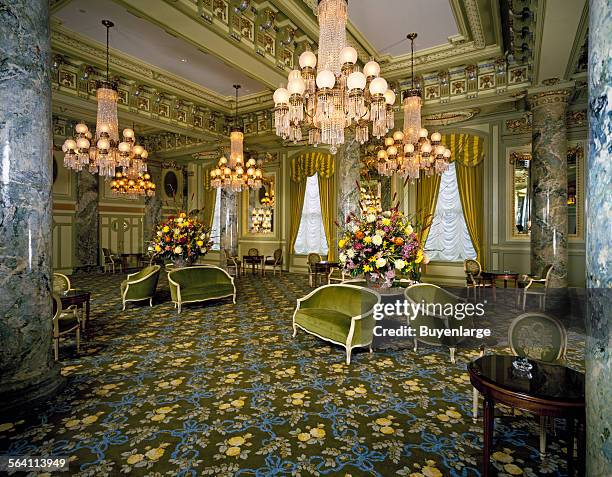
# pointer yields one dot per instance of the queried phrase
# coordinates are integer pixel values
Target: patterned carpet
(224, 390)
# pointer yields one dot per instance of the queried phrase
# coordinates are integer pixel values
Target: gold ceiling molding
(576, 118)
(475, 22)
(520, 125)
(444, 119)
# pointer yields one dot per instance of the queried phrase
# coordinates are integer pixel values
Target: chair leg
(370, 349)
(415, 345)
(524, 300)
(348, 355)
(452, 355)
(78, 339)
(123, 306)
(56, 348)
(294, 330)
(474, 404)
(543, 436)
(151, 302)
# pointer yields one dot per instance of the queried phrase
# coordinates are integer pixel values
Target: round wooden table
(252, 260)
(546, 390)
(324, 268)
(494, 275)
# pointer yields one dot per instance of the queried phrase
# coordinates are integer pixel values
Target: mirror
(170, 184)
(520, 188)
(261, 207)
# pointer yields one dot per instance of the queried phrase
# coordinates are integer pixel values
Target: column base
(30, 391)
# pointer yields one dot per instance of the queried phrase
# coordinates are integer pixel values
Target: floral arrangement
(380, 245)
(181, 238)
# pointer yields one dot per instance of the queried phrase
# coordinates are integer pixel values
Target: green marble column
(549, 182)
(228, 230)
(27, 370)
(347, 180)
(153, 205)
(86, 221)
(598, 214)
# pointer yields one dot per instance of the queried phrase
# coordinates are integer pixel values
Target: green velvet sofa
(339, 313)
(428, 294)
(201, 283)
(141, 285)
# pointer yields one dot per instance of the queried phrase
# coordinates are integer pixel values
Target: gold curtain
(470, 180)
(328, 207)
(297, 192)
(428, 188)
(302, 167)
(209, 199)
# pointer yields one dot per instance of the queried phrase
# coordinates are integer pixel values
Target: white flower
(426, 258)
(387, 213)
(350, 253)
(342, 257)
(371, 218)
(377, 240)
(179, 220)
(178, 249)
(408, 230)
(159, 233)
(150, 248)
(354, 228)
(399, 264)
(177, 231)
(202, 236)
(380, 232)
(381, 262)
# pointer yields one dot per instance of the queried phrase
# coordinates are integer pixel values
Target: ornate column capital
(552, 92)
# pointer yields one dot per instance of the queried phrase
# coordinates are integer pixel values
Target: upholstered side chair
(232, 262)
(340, 313)
(64, 323)
(141, 285)
(61, 285)
(472, 269)
(312, 260)
(536, 286)
(109, 261)
(275, 261)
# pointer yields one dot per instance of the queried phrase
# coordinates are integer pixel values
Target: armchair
(202, 283)
(141, 285)
(232, 262)
(428, 294)
(61, 285)
(64, 323)
(341, 314)
(536, 286)
(276, 260)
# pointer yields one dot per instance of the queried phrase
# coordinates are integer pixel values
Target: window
(449, 238)
(311, 235)
(216, 225)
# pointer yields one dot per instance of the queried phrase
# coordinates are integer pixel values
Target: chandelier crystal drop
(105, 153)
(235, 175)
(328, 94)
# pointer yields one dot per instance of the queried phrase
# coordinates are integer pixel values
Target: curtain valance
(466, 149)
(310, 163)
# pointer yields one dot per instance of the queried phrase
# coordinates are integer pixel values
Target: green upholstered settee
(193, 284)
(433, 317)
(141, 285)
(342, 314)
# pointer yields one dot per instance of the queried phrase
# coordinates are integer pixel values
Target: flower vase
(181, 262)
(376, 281)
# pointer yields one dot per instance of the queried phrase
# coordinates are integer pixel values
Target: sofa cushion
(205, 292)
(331, 324)
(198, 276)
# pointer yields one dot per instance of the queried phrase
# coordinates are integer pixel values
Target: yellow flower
(387, 430)
(341, 243)
(443, 417)
(386, 221)
(368, 239)
(237, 403)
(317, 432)
(183, 215)
(431, 471)
(383, 421)
(303, 436)
(157, 248)
(199, 243)
(135, 458)
(367, 268)
(166, 229)
(408, 230)
(419, 257)
(236, 441)
(233, 451)
(155, 453)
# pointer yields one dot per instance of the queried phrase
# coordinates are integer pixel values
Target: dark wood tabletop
(79, 298)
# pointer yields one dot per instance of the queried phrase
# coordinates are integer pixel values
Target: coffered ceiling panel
(386, 24)
(151, 44)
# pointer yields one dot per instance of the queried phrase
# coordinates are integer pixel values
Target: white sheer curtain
(311, 235)
(449, 239)
(216, 223)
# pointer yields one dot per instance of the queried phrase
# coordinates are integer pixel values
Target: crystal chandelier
(234, 175)
(132, 188)
(400, 156)
(107, 153)
(335, 95)
(412, 103)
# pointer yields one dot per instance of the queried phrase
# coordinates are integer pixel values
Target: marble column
(228, 230)
(347, 178)
(153, 205)
(598, 214)
(549, 182)
(385, 193)
(27, 370)
(86, 221)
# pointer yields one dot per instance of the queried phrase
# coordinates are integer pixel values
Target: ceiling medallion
(107, 153)
(329, 93)
(234, 175)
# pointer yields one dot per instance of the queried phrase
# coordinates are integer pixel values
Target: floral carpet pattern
(224, 390)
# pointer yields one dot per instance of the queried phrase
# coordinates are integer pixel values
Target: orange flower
(399, 241)
(167, 238)
(359, 235)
